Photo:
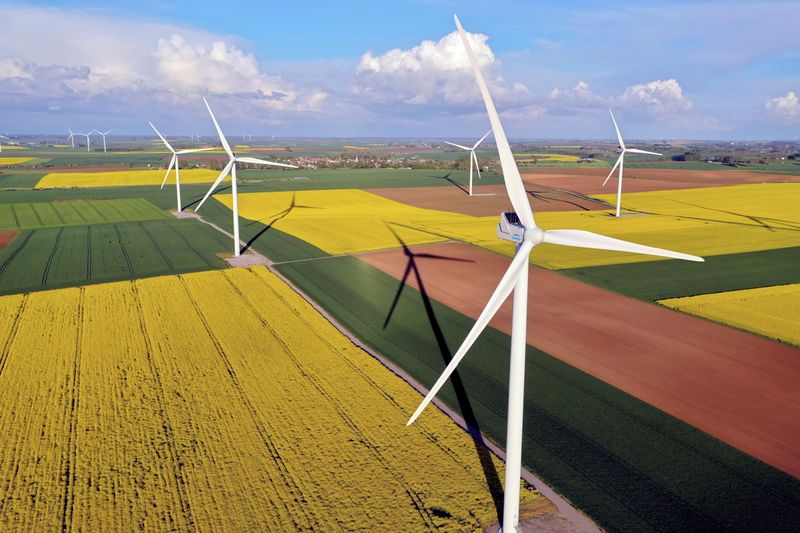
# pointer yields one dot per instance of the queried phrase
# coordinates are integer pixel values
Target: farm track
(158, 249)
(53, 252)
(70, 456)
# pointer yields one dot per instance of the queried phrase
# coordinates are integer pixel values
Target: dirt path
(738, 387)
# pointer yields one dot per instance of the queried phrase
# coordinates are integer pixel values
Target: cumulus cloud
(658, 97)
(785, 107)
(433, 72)
(580, 95)
(138, 59)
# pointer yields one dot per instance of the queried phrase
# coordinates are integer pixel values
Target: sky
(670, 70)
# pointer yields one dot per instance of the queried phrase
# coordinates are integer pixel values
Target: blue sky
(689, 70)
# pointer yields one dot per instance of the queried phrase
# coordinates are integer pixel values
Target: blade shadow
(448, 178)
(484, 455)
(200, 197)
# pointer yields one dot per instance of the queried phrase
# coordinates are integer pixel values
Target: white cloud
(785, 107)
(657, 97)
(580, 95)
(433, 72)
(138, 59)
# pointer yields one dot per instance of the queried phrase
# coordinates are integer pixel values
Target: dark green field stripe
(657, 280)
(53, 252)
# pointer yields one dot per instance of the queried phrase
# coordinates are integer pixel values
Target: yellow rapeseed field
(769, 311)
(547, 158)
(13, 147)
(216, 401)
(344, 220)
(123, 178)
(8, 161)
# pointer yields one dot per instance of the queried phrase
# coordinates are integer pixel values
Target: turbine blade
(217, 182)
(262, 162)
(499, 296)
(169, 168)
(482, 139)
(586, 239)
(619, 135)
(161, 137)
(637, 151)
(457, 145)
(219, 130)
(513, 181)
(477, 166)
(193, 150)
(614, 168)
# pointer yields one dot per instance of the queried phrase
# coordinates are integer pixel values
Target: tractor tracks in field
(70, 454)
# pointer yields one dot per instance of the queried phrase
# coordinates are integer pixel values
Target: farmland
(768, 311)
(161, 426)
(122, 178)
(75, 255)
(56, 214)
(628, 465)
(10, 161)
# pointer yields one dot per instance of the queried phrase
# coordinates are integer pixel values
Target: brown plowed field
(487, 200)
(6, 236)
(590, 180)
(738, 387)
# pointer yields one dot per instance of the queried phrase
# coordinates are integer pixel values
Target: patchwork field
(9, 161)
(200, 412)
(769, 311)
(74, 255)
(340, 221)
(629, 466)
(123, 178)
(55, 214)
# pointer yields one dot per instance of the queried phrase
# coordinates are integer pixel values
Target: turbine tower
(174, 162)
(473, 159)
(231, 167)
(104, 136)
(1, 143)
(71, 137)
(621, 161)
(519, 227)
(88, 142)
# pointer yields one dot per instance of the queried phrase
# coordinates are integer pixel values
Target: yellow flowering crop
(123, 178)
(216, 401)
(343, 220)
(8, 161)
(770, 311)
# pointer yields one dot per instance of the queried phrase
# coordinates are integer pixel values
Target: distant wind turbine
(519, 227)
(174, 162)
(88, 142)
(231, 167)
(473, 159)
(71, 137)
(621, 161)
(104, 137)
(1, 144)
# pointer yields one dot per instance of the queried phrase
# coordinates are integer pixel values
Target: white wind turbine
(174, 162)
(1, 144)
(88, 142)
(104, 136)
(473, 159)
(520, 228)
(621, 161)
(231, 167)
(71, 137)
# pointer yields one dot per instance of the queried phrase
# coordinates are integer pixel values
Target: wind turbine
(1, 144)
(71, 137)
(88, 142)
(621, 161)
(174, 161)
(519, 227)
(104, 136)
(473, 159)
(231, 167)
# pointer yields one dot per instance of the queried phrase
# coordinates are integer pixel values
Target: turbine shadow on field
(484, 455)
(541, 196)
(200, 197)
(275, 218)
(447, 177)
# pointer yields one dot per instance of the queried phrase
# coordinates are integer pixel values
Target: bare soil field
(590, 180)
(6, 236)
(738, 387)
(487, 200)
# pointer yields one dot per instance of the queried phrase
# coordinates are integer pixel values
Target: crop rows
(75, 255)
(57, 214)
(218, 400)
